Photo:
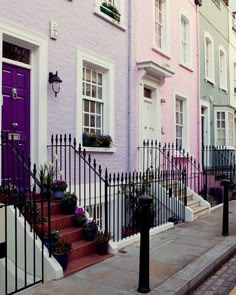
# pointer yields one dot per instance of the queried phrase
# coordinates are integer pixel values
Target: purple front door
(15, 112)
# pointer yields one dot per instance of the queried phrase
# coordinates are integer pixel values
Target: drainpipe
(198, 82)
(129, 84)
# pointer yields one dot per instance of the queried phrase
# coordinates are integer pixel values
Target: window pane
(92, 121)
(92, 107)
(99, 79)
(100, 92)
(88, 75)
(83, 88)
(94, 91)
(98, 108)
(86, 105)
(86, 119)
(94, 75)
(98, 121)
(88, 89)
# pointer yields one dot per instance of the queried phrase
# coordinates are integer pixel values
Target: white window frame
(186, 42)
(164, 50)
(223, 68)
(227, 129)
(120, 5)
(85, 57)
(209, 59)
(185, 99)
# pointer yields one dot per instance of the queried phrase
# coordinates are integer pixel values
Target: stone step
(193, 204)
(81, 263)
(81, 249)
(71, 234)
(61, 221)
(200, 211)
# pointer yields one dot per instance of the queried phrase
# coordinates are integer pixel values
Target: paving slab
(180, 258)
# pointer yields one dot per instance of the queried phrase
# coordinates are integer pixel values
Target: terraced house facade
(109, 99)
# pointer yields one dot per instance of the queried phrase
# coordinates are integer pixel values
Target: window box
(110, 10)
(96, 140)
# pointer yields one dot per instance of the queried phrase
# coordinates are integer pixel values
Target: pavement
(181, 258)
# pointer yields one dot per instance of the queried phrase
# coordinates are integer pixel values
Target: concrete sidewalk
(180, 258)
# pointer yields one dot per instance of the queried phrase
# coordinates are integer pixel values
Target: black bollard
(225, 222)
(145, 203)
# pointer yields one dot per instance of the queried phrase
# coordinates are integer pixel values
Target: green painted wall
(214, 20)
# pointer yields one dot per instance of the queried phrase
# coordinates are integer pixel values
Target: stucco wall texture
(78, 27)
(184, 80)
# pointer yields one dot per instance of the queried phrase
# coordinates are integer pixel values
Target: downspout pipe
(129, 134)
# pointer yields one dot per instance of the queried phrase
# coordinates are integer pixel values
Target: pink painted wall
(78, 27)
(183, 80)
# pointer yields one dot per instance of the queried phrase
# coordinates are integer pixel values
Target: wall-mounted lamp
(55, 80)
(163, 100)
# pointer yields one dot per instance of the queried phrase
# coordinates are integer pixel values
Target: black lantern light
(55, 80)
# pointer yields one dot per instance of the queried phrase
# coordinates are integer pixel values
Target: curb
(196, 272)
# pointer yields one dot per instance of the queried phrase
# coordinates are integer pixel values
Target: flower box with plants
(96, 140)
(90, 229)
(102, 242)
(110, 10)
(58, 188)
(61, 253)
(51, 239)
(79, 217)
(69, 203)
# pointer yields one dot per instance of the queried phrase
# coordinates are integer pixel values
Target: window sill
(207, 80)
(99, 150)
(164, 54)
(107, 18)
(187, 67)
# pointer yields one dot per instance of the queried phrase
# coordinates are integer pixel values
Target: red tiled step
(61, 221)
(84, 262)
(71, 234)
(55, 208)
(82, 248)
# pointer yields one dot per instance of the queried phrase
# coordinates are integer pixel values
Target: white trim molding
(38, 46)
(209, 59)
(223, 68)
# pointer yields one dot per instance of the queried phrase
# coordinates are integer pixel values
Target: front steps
(83, 252)
(195, 205)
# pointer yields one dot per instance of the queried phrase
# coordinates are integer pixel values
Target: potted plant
(30, 211)
(41, 225)
(102, 242)
(79, 217)
(58, 188)
(50, 239)
(89, 230)
(61, 253)
(104, 141)
(68, 203)
(110, 10)
(13, 194)
(89, 139)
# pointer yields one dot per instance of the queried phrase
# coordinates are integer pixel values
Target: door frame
(206, 106)
(38, 46)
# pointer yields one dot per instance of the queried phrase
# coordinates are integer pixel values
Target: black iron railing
(203, 178)
(21, 205)
(105, 196)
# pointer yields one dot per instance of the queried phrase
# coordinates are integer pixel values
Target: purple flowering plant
(79, 211)
(59, 185)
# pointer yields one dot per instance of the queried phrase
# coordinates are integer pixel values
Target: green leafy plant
(62, 247)
(97, 140)
(54, 235)
(103, 237)
(69, 198)
(110, 10)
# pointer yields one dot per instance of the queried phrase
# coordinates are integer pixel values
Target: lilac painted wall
(78, 27)
(183, 80)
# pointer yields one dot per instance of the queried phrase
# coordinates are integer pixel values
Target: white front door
(148, 115)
